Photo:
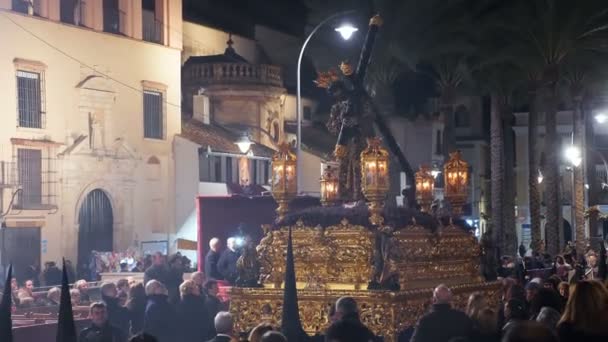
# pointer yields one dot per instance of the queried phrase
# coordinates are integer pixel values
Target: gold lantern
(425, 184)
(284, 182)
(329, 187)
(456, 177)
(375, 178)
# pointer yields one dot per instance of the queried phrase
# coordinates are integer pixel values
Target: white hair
(214, 241)
(154, 287)
(223, 322)
(231, 240)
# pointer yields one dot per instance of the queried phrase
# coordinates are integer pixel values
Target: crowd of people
(566, 302)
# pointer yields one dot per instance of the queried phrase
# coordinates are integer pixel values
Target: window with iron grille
(30, 99)
(153, 115)
(67, 11)
(229, 178)
(20, 6)
(35, 174)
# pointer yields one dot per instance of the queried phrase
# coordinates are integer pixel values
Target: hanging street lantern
(425, 184)
(375, 178)
(329, 187)
(284, 179)
(456, 178)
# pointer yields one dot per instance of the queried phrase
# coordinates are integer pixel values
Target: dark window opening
(217, 168)
(254, 173)
(20, 6)
(153, 115)
(29, 94)
(438, 149)
(275, 131)
(307, 113)
(266, 173)
(462, 117)
(67, 11)
(111, 16)
(229, 170)
(152, 26)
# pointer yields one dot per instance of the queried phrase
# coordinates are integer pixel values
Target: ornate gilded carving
(385, 313)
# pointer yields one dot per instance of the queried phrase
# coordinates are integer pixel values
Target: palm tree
(551, 31)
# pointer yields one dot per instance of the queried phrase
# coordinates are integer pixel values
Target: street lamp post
(346, 33)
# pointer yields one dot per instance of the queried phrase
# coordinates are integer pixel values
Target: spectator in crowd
(527, 331)
(51, 274)
(159, 318)
(101, 329)
(27, 291)
(158, 270)
(546, 307)
(33, 272)
(586, 315)
(227, 263)
(515, 311)
(139, 267)
(175, 277)
(117, 315)
(75, 297)
(136, 306)
(124, 267)
(564, 290)
(15, 291)
(191, 312)
(69, 267)
(53, 296)
(475, 305)
(273, 336)
(256, 333)
(199, 279)
(562, 268)
(122, 285)
(212, 258)
(591, 269)
(212, 304)
(348, 310)
(453, 323)
(347, 331)
(224, 326)
(531, 291)
(485, 324)
(83, 287)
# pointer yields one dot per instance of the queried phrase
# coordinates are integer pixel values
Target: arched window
(153, 168)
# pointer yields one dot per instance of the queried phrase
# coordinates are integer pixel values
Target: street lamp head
(601, 118)
(244, 143)
(346, 31)
(573, 155)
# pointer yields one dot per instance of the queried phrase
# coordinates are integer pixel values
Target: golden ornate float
(389, 262)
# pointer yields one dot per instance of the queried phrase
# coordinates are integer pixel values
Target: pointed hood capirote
(6, 325)
(66, 329)
(291, 326)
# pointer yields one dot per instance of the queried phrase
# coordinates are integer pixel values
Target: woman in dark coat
(136, 304)
(159, 318)
(191, 313)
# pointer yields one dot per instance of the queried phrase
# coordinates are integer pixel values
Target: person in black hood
(101, 330)
(159, 318)
(118, 316)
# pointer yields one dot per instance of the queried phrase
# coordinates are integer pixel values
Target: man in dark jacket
(158, 270)
(443, 323)
(347, 317)
(101, 330)
(224, 325)
(160, 317)
(174, 278)
(227, 263)
(212, 258)
(51, 274)
(118, 316)
(212, 304)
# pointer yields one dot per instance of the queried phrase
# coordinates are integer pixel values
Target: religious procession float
(389, 259)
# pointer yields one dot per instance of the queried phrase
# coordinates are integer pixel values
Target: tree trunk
(449, 140)
(590, 162)
(579, 181)
(508, 212)
(554, 222)
(497, 173)
(533, 167)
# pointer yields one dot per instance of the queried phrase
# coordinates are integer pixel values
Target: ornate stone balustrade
(233, 73)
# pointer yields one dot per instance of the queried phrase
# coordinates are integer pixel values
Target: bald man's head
(442, 295)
